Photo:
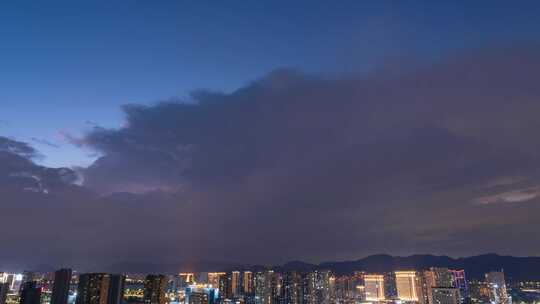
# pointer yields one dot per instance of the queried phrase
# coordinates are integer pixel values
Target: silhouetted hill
(298, 266)
(515, 268)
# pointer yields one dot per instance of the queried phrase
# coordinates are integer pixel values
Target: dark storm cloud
(17, 169)
(292, 156)
(294, 166)
(13, 147)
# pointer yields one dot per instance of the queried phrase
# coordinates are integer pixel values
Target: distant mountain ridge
(515, 268)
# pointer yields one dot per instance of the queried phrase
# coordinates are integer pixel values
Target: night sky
(267, 131)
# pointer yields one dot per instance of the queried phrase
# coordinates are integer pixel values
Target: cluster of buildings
(431, 286)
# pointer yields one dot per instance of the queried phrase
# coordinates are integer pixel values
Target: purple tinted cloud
(295, 166)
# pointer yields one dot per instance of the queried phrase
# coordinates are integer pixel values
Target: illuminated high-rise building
(201, 294)
(291, 290)
(459, 281)
(213, 278)
(15, 281)
(62, 282)
(408, 286)
(374, 287)
(154, 289)
(247, 283)
(316, 287)
(436, 277)
(276, 284)
(343, 289)
(93, 288)
(497, 285)
(186, 278)
(357, 280)
(340, 288)
(442, 277)
(445, 295)
(30, 293)
(324, 287)
(225, 286)
(390, 290)
(479, 292)
(236, 284)
(262, 287)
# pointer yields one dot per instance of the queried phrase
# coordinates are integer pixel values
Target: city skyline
(433, 285)
(267, 132)
(476, 266)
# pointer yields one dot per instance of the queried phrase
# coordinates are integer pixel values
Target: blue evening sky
(68, 65)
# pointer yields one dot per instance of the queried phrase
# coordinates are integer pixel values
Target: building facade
(93, 288)
(61, 285)
(154, 289)
(374, 287)
(497, 285)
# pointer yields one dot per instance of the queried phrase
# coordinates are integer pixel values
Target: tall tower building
(197, 294)
(479, 292)
(408, 287)
(316, 287)
(225, 286)
(213, 278)
(436, 277)
(62, 282)
(30, 293)
(343, 287)
(262, 287)
(93, 288)
(374, 287)
(291, 289)
(116, 289)
(459, 281)
(154, 289)
(497, 285)
(442, 277)
(276, 284)
(247, 283)
(390, 290)
(4, 289)
(236, 284)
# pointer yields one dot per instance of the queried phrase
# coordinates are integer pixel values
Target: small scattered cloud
(45, 142)
(512, 196)
(68, 137)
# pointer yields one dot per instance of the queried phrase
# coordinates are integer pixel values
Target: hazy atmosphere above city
(262, 132)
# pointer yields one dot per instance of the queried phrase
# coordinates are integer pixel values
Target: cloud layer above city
(438, 158)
